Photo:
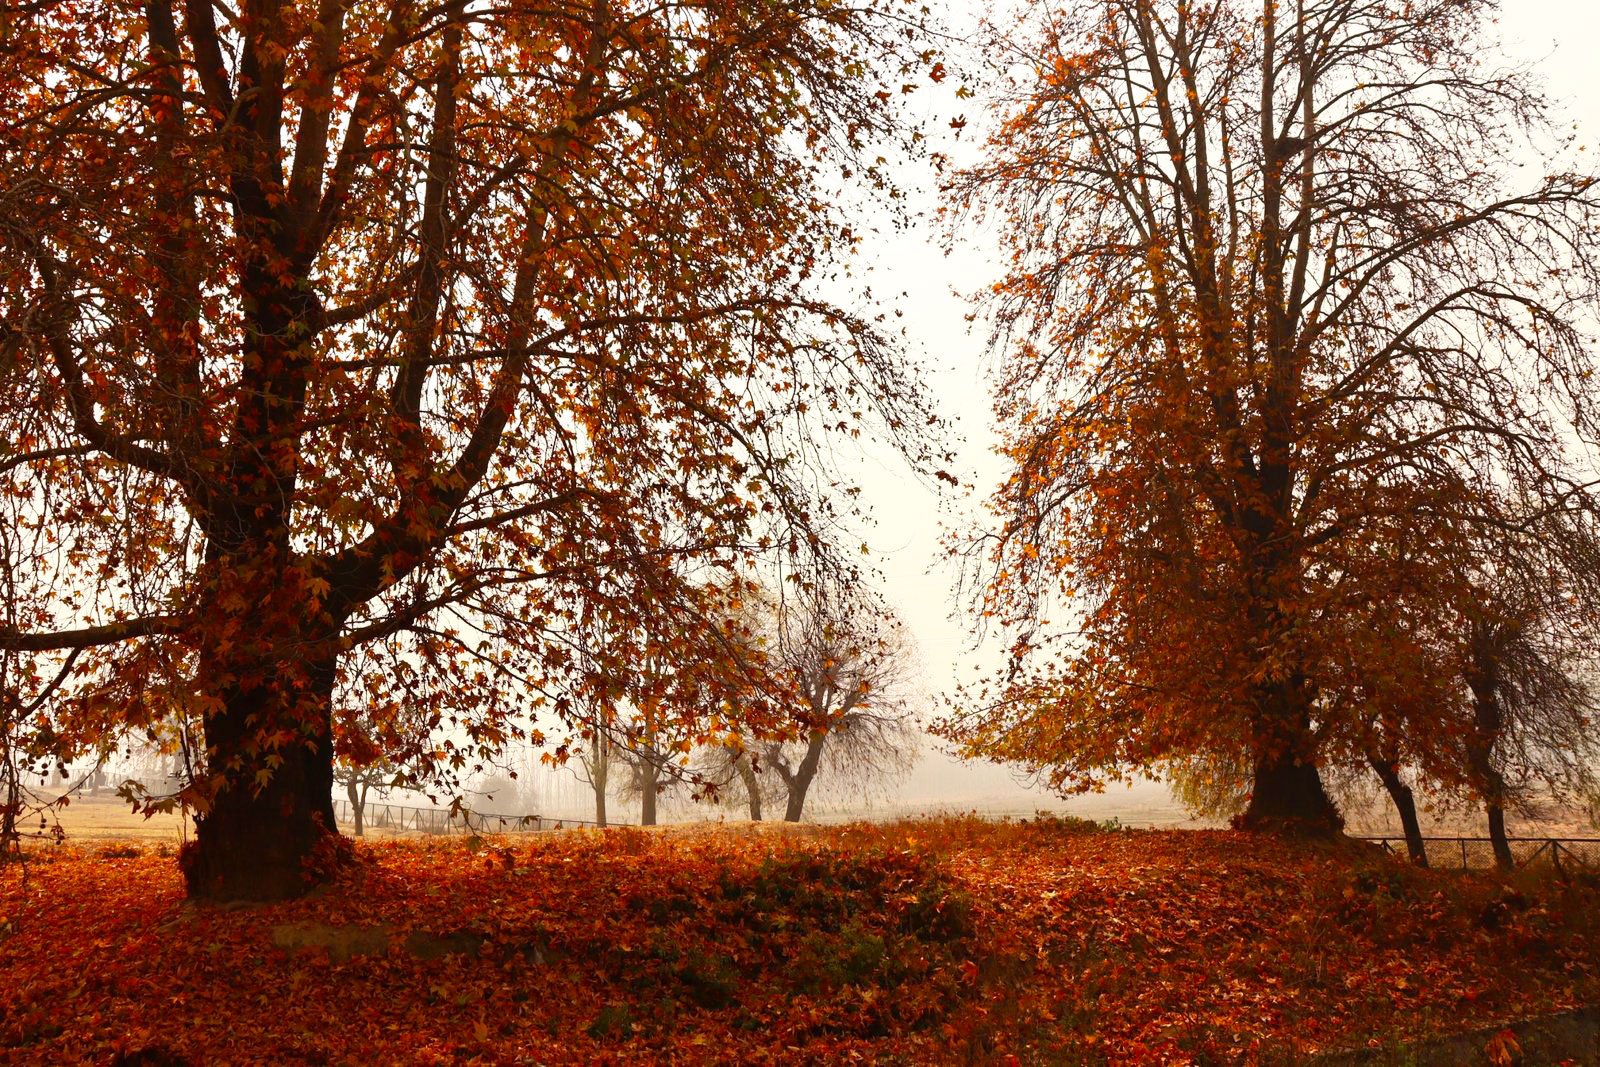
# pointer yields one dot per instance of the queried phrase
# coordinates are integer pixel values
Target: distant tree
(596, 757)
(744, 766)
(730, 767)
(1386, 765)
(358, 782)
(655, 710)
(852, 671)
(1276, 324)
(652, 748)
(1391, 712)
(1488, 694)
(496, 801)
(644, 780)
(1533, 713)
(379, 745)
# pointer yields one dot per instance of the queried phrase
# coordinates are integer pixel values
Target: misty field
(948, 941)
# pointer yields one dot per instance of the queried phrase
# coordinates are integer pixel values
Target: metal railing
(381, 815)
(1477, 853)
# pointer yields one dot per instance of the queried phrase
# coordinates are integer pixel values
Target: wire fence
(1477, 853)
(380, 815)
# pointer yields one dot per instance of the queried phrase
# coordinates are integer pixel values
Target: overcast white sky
(1559, 35)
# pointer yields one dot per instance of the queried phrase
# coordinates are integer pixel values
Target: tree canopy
(1281, 336)
(395, 348)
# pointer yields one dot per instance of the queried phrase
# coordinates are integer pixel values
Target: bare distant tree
(642, 765)
(731, 768)
(596, 758)
(651, 748)
(1533, 719)
(852, 669)
(375, 751)
(358, 782)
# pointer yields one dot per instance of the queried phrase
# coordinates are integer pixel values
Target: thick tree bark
(269, 830)
(600, 806)
(799, 780)
(1405, 804)
(1287, 793)
(268, 655)
(1288, 796)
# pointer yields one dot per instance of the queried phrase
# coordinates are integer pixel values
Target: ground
(948, 941)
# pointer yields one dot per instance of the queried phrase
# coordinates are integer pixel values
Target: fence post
(1463, 843)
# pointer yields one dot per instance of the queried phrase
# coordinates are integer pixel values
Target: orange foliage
(367, 362)
(949, 941)
(1261, 397)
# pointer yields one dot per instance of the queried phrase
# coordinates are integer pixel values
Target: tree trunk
(1287, 794)
(267, 832)
(357, 805)
(268, 653)
(647, 797)
(799, 782)
(1405, 803)
(1483, 678)
(752, 784)
(598, 764)
(10, 801)
(1497, 837)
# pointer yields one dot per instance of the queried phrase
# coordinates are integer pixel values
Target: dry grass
(110, 818)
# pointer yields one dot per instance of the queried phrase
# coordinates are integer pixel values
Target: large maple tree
(1280, 322)
(388, 349)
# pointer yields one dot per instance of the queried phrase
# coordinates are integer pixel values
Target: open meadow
(943, 941)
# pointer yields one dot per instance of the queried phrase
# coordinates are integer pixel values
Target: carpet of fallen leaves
(947, 941)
